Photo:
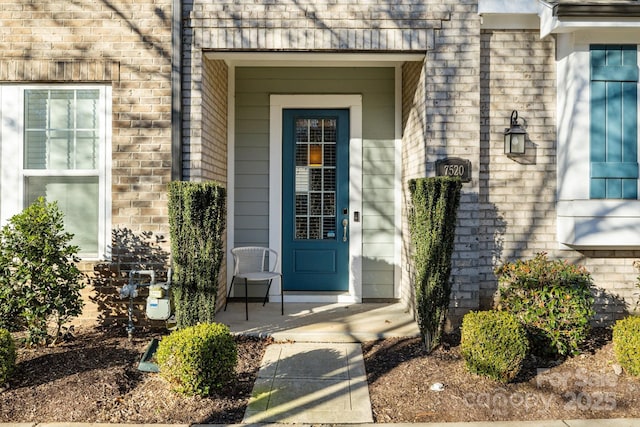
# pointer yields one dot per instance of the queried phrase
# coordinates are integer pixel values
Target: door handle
(345, 223)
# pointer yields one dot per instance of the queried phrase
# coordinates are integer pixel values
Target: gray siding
(253, 87)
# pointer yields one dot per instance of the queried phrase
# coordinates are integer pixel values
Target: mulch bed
(400, 377)
(94, 378)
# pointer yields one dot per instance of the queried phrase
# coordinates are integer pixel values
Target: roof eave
(591, 10)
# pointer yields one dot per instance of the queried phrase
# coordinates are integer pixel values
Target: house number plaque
(454, 166)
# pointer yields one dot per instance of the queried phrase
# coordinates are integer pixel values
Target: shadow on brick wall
(492, 231)
(130, 251)
(609, 307)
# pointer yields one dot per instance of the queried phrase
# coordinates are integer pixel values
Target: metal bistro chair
(255, 264)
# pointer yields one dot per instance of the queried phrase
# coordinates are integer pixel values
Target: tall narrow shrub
(432, 225)
(196, 220)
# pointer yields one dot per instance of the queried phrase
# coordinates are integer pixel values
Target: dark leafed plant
(7, 356)
(40, 282)
(552, 298)
(197, 222)
(432, 225)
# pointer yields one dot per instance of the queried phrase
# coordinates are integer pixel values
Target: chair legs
(246, 299)
(229, 294)
(266, 296)
(246, 296)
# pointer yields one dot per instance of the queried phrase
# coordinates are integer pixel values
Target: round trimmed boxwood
(626, 343)
(7, 356)
(198, 359)
(494, 344)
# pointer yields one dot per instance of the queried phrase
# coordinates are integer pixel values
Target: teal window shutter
(614, 122)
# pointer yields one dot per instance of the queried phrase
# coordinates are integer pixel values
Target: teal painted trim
(614, 63)
(614, 170)
(598, 129)
(598, 188)
(629, 188)
(613, 117)
(629, 122)
(614, 188)
(625, 73)
(614, 122)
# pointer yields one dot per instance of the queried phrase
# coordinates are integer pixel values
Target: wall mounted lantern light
(514, 136)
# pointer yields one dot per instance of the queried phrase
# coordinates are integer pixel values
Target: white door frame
(354, 104)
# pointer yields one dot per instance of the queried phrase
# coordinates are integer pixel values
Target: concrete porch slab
(317, 322)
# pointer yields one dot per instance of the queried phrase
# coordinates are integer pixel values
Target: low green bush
(494, 344)
(626, 343)
(636, 264)
(199, 359)
(552, 298)
(7, 356)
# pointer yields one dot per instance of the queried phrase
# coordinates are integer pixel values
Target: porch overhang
(509, 14)
(572, 16)
(312, 59)
(602, 9)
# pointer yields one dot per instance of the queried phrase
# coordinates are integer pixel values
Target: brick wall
(455, 104)
(443, 121)
(127, 45)
(214, 138)
(518, 195)
(441, 102)
(214, 121)
(414, 128)
(292, 25)
(518, 73)
(314, 25)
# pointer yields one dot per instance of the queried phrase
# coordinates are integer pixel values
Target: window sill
(599, 224)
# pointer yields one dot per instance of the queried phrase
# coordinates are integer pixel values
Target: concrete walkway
(311, 383)
(317, 375)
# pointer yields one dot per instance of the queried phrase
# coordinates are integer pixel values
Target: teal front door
(315, 200)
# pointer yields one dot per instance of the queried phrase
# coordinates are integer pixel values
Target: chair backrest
(251, 259)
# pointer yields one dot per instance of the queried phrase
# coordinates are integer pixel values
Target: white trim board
(354, 104)
(581, 222)
(313, 59)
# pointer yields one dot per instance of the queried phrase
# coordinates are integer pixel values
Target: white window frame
(582, 222)
(12, 172)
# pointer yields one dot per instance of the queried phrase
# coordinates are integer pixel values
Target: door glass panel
(315, 198)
